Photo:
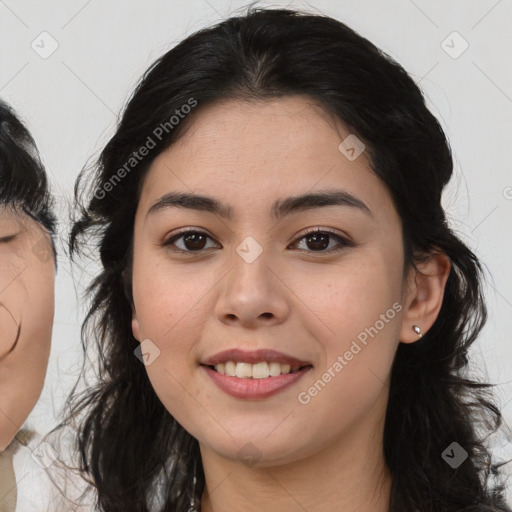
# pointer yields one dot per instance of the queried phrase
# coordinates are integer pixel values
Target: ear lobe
(135, 325)
(425, 296)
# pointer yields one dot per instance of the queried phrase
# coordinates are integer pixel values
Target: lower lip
(254, 389)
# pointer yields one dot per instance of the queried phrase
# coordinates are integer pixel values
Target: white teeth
(230, 367)
(256, 371)
(260, 371)
(243, 370)
(275, 369)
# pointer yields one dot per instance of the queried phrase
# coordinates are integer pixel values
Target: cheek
(351, 381)
(346, 299)
(359, 312)
(31, 297)
(36, 296)
(13, 300)
(39, 314)
(169, 313)
(172, 308)
(8, 329)
(166, 303)
(169, 296)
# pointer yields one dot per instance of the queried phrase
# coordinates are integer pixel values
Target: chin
(261, 450)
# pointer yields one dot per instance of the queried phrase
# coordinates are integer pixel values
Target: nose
(253, 294)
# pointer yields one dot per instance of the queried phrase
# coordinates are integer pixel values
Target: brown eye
(193, 241)
(319, 240)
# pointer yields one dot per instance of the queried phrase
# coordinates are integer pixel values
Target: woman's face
(258, 283)
(27, 275)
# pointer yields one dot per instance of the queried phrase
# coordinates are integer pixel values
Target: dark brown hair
(127, 440)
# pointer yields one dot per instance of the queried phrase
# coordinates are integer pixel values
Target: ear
(135, 324)
(424, 295)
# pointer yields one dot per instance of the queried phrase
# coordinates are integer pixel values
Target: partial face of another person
(27, 277)
(262, 285)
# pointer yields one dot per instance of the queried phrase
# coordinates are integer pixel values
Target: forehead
(14, 220)
(254, 152)
(11, 215)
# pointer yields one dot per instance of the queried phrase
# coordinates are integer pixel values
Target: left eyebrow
(280, 208)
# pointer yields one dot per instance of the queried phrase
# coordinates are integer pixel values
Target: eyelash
(8, 238)
(343, 241)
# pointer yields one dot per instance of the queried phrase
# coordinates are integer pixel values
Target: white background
(71, 99)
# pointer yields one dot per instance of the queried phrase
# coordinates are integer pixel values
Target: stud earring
(417, 330)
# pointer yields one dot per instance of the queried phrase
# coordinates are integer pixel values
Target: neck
(349, 474)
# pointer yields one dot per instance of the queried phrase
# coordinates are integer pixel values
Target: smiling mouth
(261, 370)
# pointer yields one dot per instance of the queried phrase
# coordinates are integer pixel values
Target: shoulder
(31, 479)
(44, 481)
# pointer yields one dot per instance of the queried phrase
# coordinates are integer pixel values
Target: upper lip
(253, 356)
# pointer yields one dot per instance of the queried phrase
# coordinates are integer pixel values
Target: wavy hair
(24, 186)
(128, 445)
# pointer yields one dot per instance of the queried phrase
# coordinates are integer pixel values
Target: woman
(27, 277)
(283, 315)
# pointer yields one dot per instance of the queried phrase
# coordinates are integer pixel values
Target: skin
(327, 454)
(27, 278)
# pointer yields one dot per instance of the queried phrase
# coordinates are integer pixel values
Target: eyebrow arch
(280, 208)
